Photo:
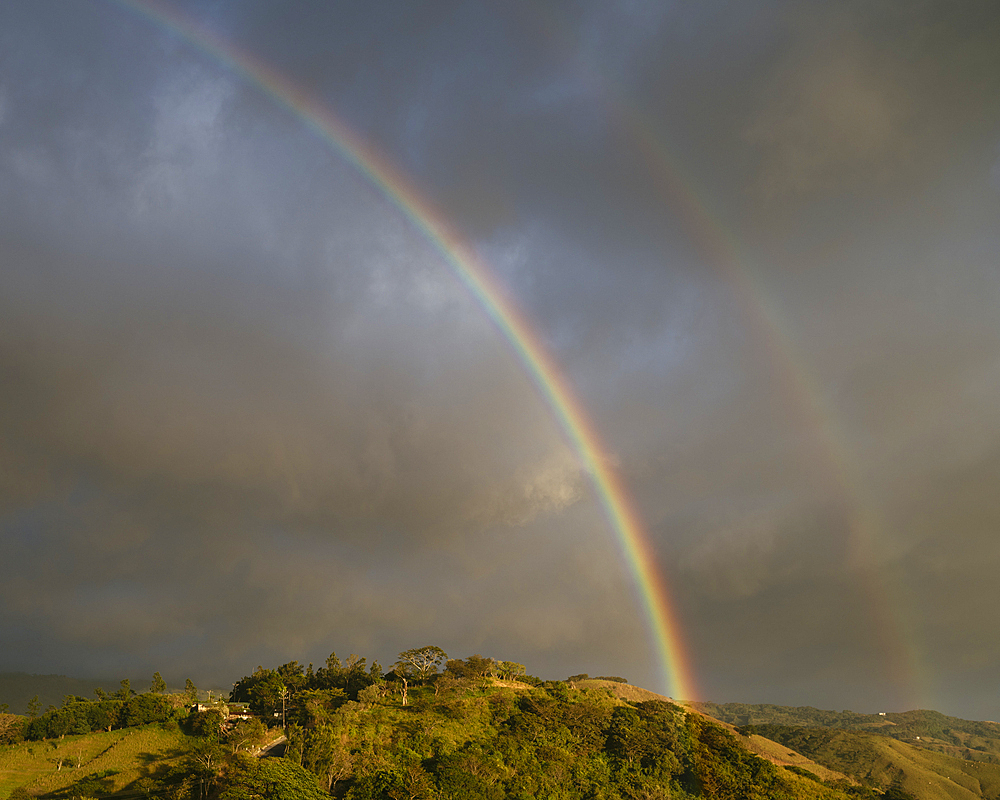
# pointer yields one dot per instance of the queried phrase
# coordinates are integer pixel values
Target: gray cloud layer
(247, 413)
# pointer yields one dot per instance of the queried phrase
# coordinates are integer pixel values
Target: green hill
(465, 734)
(884, 763)
(931, 730)
(454, 737)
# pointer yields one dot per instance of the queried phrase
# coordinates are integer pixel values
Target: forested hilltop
(484, 729)
(428, 727)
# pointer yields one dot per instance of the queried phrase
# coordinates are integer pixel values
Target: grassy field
(48, 766)
(936, 776)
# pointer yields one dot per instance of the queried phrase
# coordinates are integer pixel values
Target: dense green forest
(439, 728)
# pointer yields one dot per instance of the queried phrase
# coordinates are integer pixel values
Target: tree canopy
(420, 662)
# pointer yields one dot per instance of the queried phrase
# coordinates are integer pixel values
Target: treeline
(79, 715)
(270, 692)
(18, 688)
(583, 676)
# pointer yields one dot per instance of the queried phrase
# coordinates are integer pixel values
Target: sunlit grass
(129, 754)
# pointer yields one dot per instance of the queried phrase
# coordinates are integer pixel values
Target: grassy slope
(778, 754)
(130, 752)
(935, 776)
(881, 761)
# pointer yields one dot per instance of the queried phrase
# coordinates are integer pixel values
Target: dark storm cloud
(194, 411)
(247, 414)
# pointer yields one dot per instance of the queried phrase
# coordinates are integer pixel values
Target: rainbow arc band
(675, 672)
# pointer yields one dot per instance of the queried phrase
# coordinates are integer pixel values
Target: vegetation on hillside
(482, 729)
(931, 730)
(886, 764)
(443, 729)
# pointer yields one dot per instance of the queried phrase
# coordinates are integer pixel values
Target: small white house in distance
(222, 708)
(881, 713)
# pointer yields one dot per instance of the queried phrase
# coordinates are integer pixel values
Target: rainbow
(790, 371)
(658, 609)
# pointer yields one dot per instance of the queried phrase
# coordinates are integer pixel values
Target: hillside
(466, 734)
(112, 759)
(930, 730)
(882, 762)
(358, 735)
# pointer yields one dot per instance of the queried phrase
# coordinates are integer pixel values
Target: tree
(262, 691)
(206, 753)
(159, 685)
(328, 754)
(246, 734)
(509, 670)
(315, 707)
(420, 662)
(191, 691)
(479, 667)
(457, 668)
(207, 724)
(33, 705)
(273, 778)
(369, 696)
(292, 676)
(103, 714)
(126, 689)
(446, 682)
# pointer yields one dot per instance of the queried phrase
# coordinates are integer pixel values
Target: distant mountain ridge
(17, 689)
(930, 730)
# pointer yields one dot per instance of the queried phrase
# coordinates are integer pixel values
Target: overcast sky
(248, 413)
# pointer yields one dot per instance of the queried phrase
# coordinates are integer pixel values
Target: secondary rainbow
(763, 322)
(805, 400)
(654, 598)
